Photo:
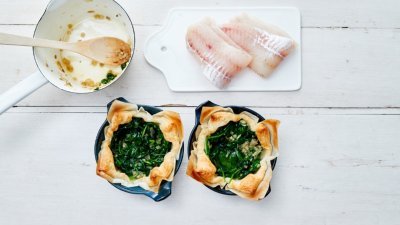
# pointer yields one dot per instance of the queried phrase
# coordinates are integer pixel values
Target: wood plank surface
(339, 157)
(332, 169)
(315, 13)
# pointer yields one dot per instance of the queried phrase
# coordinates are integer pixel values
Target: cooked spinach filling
(138, 147)
(234, 150)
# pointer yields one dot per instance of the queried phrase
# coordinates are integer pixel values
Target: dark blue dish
(165, 187)
(192, 137)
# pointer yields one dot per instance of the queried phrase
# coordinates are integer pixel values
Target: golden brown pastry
(234, 151)
(139, 149)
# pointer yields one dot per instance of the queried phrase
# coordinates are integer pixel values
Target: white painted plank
(16, 62)
(332, 169)
(190, 110)
(339, 13)
(341, 68)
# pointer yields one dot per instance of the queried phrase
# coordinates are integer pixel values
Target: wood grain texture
(332, 169)
(315, 13)
(189, 110)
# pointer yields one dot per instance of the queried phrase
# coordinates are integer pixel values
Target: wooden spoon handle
(10, 39)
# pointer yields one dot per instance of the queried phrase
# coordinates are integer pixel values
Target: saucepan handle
(21, 90)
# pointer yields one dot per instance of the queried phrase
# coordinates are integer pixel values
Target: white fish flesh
(220, 56)
(267, 44)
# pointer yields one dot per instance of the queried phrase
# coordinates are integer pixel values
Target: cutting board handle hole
(163, 49)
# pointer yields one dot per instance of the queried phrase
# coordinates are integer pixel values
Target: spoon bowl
(107, 50)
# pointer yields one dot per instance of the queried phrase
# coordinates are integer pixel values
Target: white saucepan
(59, 16)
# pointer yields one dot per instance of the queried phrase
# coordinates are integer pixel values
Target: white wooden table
(340, 134)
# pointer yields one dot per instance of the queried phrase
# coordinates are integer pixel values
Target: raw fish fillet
(220, 56)
(268, 44)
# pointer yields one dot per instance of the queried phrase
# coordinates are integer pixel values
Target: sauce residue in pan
(82, 71)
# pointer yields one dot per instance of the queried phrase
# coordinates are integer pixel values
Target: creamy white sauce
(85, 70)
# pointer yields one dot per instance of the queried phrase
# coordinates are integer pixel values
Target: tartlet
(139, 149)
(234, 151)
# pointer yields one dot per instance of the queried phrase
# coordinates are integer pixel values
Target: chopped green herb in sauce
(235, 150)
(123, 65)
(138, 147)
(108, 78)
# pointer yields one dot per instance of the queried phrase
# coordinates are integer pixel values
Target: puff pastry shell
(253, 186)
(171, 127)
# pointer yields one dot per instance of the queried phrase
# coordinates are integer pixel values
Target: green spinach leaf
(235, 150)
(138, 147)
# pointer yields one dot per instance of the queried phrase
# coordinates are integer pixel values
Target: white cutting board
(166, 50)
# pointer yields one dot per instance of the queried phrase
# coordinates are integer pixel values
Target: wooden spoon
(107, 50)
